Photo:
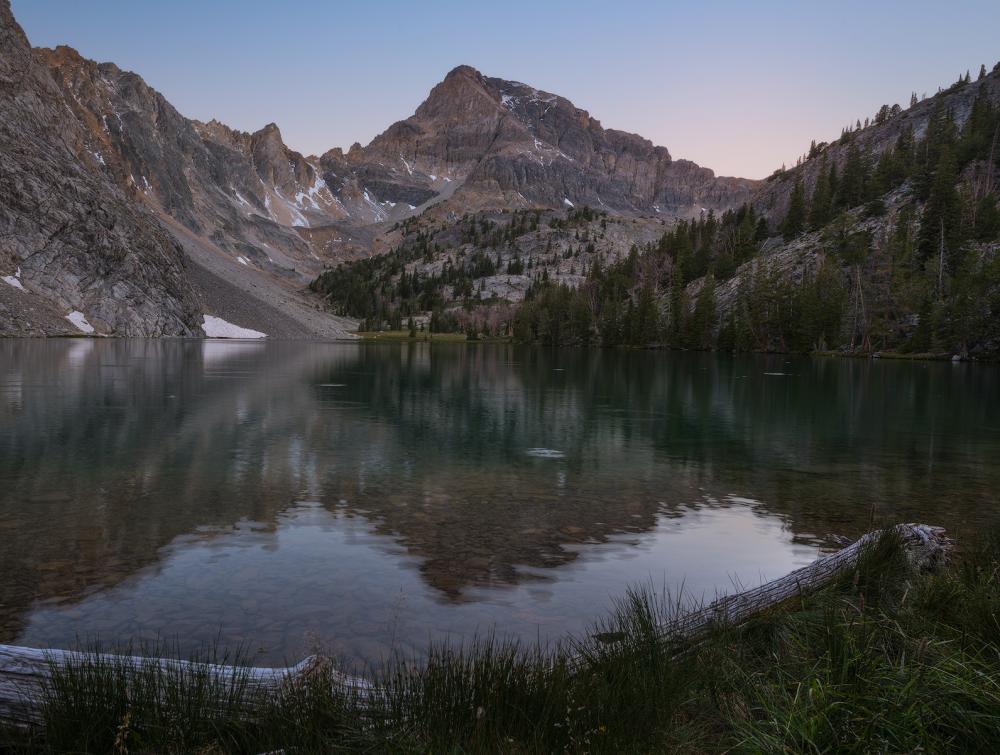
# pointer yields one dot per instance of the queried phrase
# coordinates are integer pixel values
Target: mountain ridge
(250, 222)
(512, 145)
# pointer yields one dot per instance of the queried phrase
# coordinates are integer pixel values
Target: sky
(737, 86)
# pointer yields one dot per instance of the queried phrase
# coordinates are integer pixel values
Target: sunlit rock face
(507, 144)
(71, 239)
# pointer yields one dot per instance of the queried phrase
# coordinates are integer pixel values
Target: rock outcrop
(119, 208)
(70, 240)
(497, 143)
(247, 193)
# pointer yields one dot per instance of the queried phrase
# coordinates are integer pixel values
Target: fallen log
(926, 548)
(26, 672)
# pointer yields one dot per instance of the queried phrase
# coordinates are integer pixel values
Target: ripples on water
(358, 498)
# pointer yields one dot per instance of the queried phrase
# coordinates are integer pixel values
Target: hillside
(884, 241)
(74, 248)
(249, 222)
(495, 207)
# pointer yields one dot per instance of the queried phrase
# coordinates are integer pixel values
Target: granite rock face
(498, 143)
(69, 237)
(245, 192)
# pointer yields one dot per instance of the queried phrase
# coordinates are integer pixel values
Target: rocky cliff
(485, 143)
(75, 253)
(141, 220)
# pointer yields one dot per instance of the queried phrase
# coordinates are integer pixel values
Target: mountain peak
(270, 130)
(465, 71)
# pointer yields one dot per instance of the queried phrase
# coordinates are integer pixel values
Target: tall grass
(884, 660)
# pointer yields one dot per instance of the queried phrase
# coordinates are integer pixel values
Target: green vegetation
(881, 661)
(925, 280)
(384, 291)
(891, 251)
(424, 335)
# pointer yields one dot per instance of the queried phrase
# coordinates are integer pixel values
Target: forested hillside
(885, 240)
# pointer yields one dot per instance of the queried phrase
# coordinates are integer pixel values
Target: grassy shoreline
(403, 336)
(883, 660)
(426, 337)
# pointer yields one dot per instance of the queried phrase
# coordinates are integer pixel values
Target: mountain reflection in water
(361, 497)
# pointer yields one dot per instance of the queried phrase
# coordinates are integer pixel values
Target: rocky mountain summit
(139, 221)
(487, 143)
(121, 216)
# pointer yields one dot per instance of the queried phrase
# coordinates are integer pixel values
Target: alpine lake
(366, 499)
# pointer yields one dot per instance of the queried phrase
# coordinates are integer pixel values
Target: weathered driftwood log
(925, 547)
(25, 672)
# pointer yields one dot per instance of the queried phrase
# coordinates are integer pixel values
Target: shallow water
(364, 498)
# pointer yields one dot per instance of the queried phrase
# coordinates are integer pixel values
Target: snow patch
(15, 280)
(80, 321)
(243, 260)
(567, 202)
(380, 213)
(240, 198)
(216, 327)
(310, 195)
(297, 217)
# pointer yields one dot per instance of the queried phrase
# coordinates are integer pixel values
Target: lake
(361, 499)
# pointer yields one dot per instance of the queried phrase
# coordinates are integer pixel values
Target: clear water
(365, 498)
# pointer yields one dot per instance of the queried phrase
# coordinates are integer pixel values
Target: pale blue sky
(739, 87)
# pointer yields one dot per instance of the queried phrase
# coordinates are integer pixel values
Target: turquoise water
(360, 499)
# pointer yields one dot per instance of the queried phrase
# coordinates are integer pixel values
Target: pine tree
(678, 311)
(646, 319)
(939, 135)
(821, 207)
(851, 191)
(610, 324)
(982, 72)
(795, 218)
(701, 325)
(581, 319)
(940, 224)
